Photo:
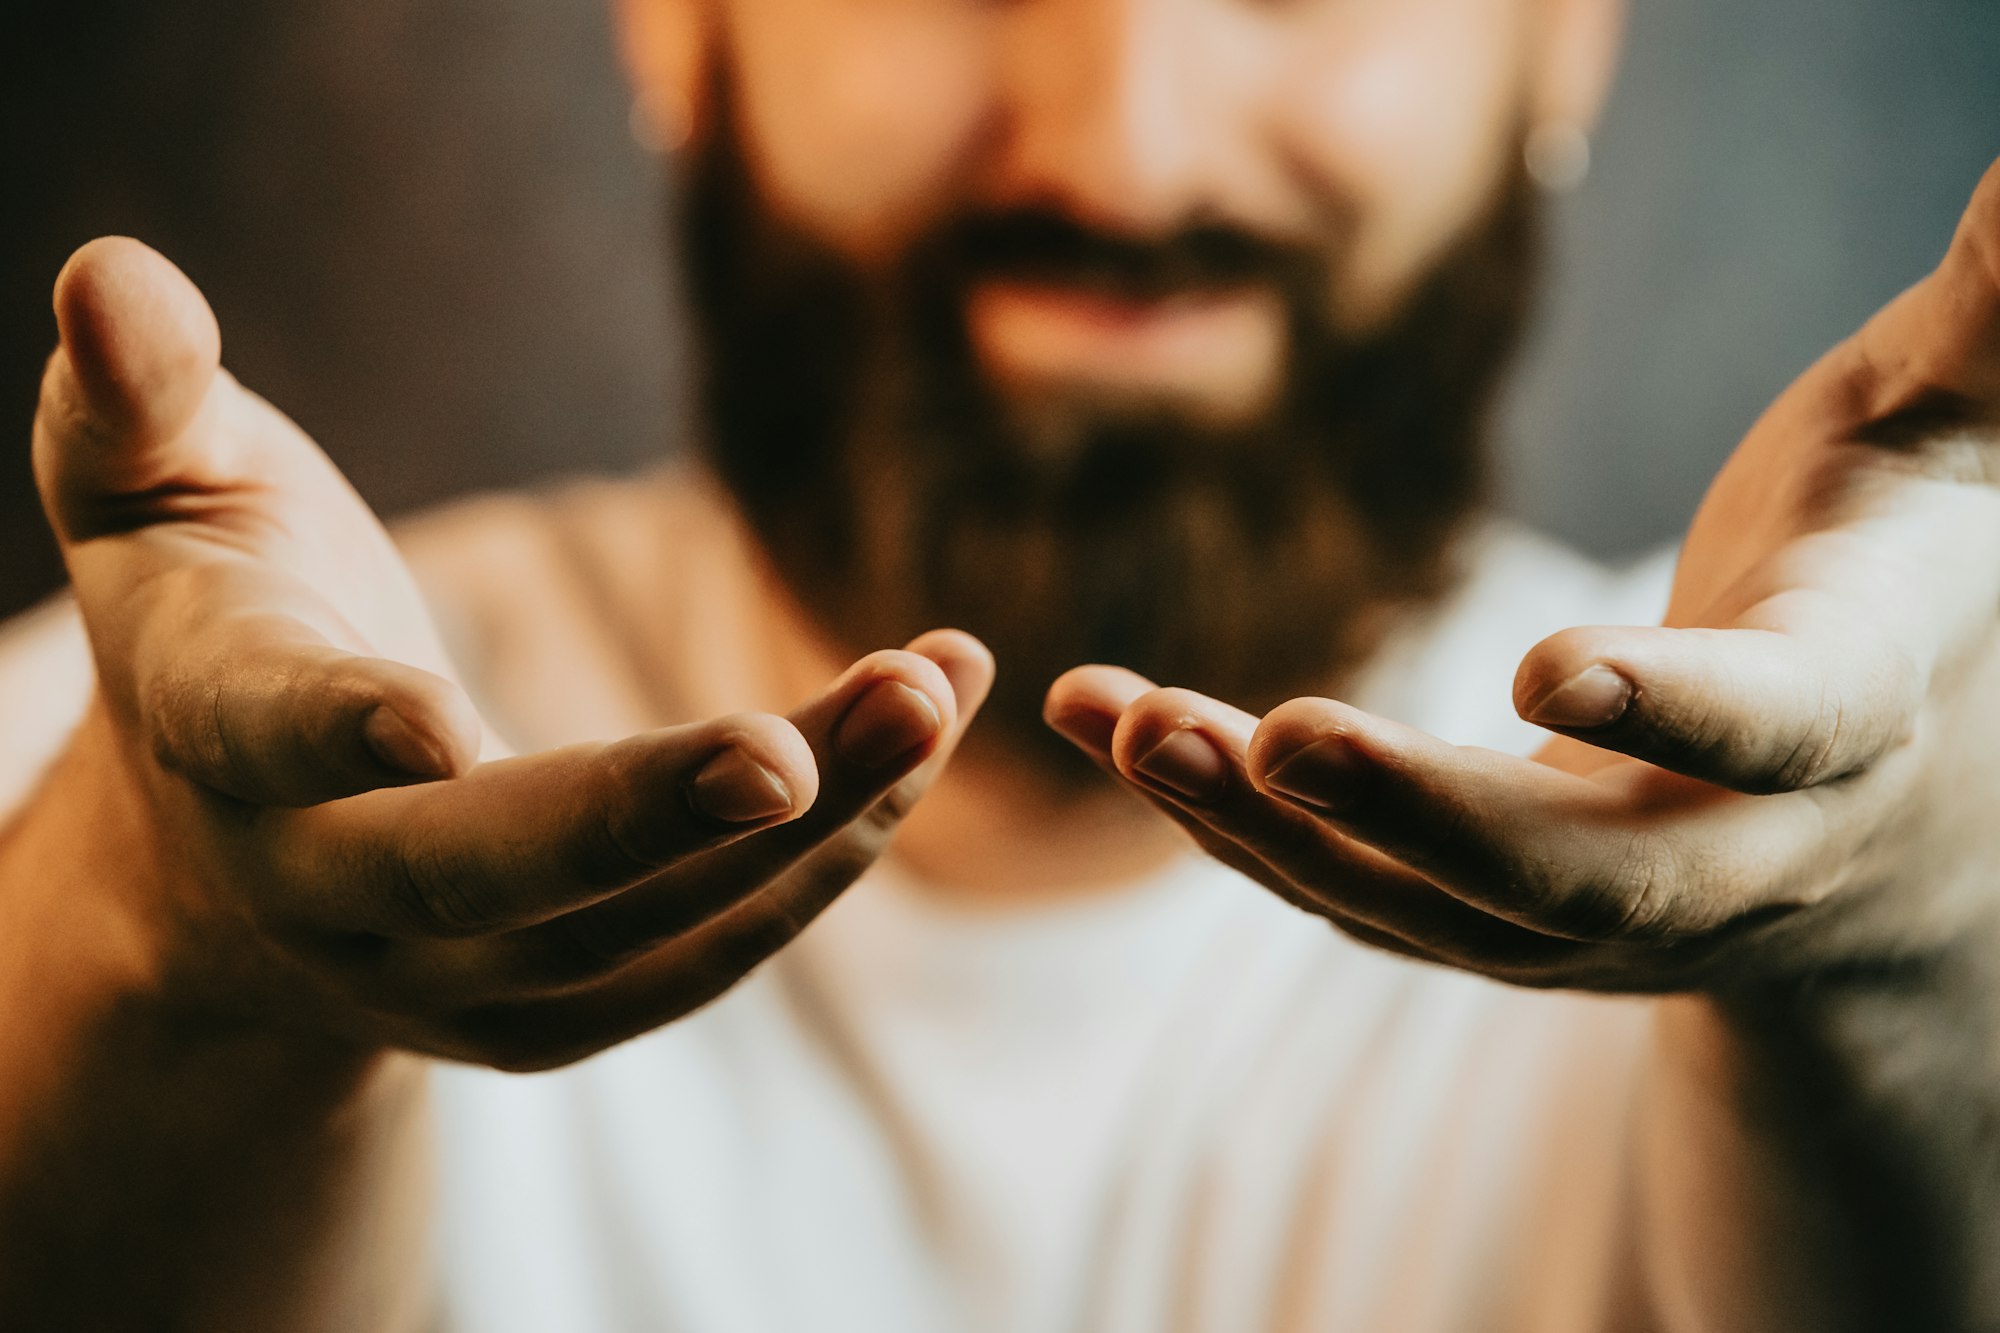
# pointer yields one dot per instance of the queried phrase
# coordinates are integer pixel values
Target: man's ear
(665, 49)
(1579, 45)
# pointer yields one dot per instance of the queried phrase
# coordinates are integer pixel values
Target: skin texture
(243, 894)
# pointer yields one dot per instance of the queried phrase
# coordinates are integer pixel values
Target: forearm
(164, 1164)
(1827, 1156)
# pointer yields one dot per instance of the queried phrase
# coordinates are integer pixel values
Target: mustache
(1046, 246)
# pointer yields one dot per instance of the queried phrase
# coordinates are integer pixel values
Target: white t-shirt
(1181, 1106)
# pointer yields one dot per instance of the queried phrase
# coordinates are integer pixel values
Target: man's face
(868, 121)
(1115, 329)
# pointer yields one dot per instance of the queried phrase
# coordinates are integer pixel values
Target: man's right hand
(307, 837)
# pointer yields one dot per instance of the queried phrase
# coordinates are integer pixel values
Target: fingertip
(1317, 753)
(915, 671)
(947, 645)
(761, 773)
(776, 745)
(405, 746)
(1556, 659)
(140, 342)
(1590, 700)
(895, 708)
(423, 724)
(1083, 704)
(966, 662)
(1295, 725)
(1181, 743)
(1149, 718)
(1111, 687)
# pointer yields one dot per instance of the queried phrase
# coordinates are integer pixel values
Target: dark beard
(895, 490)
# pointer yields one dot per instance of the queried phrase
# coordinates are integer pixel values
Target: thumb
(1753, 709)
(138, 362)
(208, 542)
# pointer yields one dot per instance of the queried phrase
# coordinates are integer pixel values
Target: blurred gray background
(1770, 173)
(431, 240)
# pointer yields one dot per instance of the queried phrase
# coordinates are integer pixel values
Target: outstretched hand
(1797, 771)
(308, 835)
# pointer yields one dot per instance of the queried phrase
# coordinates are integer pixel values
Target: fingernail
(885, 724)
(1187, 762)
(736, 789)
(1323, 774)
(1084, 727)
(1594, 697)
(400, 746)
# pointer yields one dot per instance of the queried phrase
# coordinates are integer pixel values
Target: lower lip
(1222, 343)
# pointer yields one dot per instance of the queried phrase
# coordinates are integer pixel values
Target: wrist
(99, 950)
(1836, 1115)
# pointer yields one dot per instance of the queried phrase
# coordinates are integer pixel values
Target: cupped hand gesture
(289, 783)
(1798, 771)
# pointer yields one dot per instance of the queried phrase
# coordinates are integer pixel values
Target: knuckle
(1809, 760)
(1846, 737)
(625, 838)
(621, 848)
(1694, 729)
(435, 896)
(183, 713)
(1635, 900)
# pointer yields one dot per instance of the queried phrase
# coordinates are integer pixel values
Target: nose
(1108, 116)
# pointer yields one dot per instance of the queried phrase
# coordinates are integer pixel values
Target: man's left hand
(1799, 771)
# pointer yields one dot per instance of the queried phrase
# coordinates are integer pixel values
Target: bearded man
(1159, 333)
